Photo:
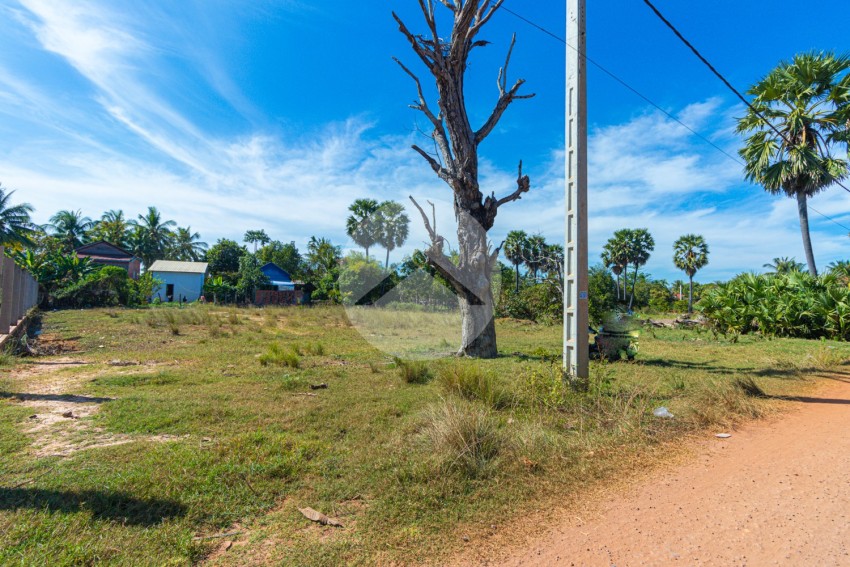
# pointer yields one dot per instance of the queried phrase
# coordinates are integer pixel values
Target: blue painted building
(180, 280)
(279, 278)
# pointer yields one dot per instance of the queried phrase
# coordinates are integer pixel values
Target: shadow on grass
(708, 366)
(103, 505)
(24, 397)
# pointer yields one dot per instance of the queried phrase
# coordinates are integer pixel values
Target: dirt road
(775, 493)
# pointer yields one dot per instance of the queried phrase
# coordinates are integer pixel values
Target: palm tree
(362, 225)
(534, 254)
(784, 265)
(690, 254)
(257, 236)
(153, 236)
(394, 227)
(16, 228)
(639, 245)
(802, 100)
(70, 227)
(113, 228)
(322, 255)
(516, 250)
(841, 270)
(615, 255)
(186, 245)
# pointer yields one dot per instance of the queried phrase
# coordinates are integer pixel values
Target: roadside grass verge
(230, 437)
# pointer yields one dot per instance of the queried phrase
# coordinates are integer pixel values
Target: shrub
(107, 287)
(779, 305)
(470, 382)
(413, 371)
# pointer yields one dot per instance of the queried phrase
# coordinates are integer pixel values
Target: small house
(279, 279)
(105, 254)
(181, 281)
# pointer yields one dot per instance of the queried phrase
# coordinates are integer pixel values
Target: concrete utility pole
(575, 250)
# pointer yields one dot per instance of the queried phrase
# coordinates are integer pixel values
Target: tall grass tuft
(413, 371)
(471, 382)
(281, 357)
(464, 437)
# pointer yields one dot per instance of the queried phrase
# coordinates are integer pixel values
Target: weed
(280, 357)
(413, 371)
(314, 349)
(464, 437)
(471, 382)
(233, 318)
(747, 385)
(375, 368)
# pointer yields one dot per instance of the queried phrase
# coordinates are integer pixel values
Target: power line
(729, 85)
(656, 106)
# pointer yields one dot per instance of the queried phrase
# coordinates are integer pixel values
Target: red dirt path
(775, 493)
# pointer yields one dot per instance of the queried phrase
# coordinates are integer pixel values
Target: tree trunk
(367, 253)
(803, 211)
(634, 283)
(618, 287)
(477, 309)
(517, 277)
(625, 281)
(387, 265)
(690, 294)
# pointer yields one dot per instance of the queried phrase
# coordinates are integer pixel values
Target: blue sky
(231, 116)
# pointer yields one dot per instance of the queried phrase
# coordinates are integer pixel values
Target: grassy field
(203, 421)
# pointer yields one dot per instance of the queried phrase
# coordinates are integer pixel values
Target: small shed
(279, 279)
(181, 281)
(104, 253)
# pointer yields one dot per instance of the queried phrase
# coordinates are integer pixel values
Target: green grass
(228, 432)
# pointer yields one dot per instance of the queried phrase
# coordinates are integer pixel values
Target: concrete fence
(18, 294)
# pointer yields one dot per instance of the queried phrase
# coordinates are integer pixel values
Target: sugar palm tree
(516, 250)
(394, 227)
(536, 247)
(16, 228)
(639, 245)
(615, 255)
(690, 254)
(805, 102)
(362, 225)
(257, 237)
(70, 227)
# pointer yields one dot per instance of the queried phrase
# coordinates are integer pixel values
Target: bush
(107, 287)
(413, 371)
(779, 305)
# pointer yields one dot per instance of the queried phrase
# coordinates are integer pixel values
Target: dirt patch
(773, 493)
(62, 419)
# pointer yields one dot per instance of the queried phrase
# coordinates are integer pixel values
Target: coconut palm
(152, 236)
(394, 227)
(840, 269)
(805, 102)
(690, 254)
(16, 228)
(362, 225)
(186, 245)
(112, 227)
(516, 250)
(784, 265)
(70, 227)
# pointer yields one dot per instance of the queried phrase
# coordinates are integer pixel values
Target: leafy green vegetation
(791, 304)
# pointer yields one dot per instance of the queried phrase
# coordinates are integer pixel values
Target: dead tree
(456, 162)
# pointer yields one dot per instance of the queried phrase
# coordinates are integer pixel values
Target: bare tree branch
(523, 185)
(428, 56)
(506, 97)
(440, 136)
(441, 171)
